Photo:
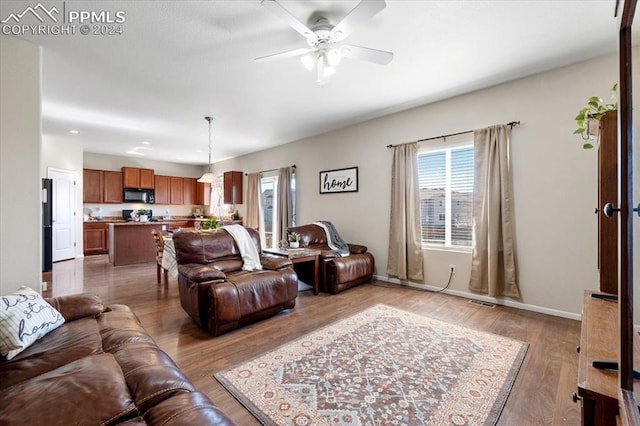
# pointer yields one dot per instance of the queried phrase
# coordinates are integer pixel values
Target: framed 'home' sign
(341, 180)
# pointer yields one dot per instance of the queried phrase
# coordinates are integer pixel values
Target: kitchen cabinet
(176, 188)
(102, 186)
(92, 186)
(112, 191)
(189, 191)
(134, 177)
(162, 189)
(203, 193)
(95, 239)
(232, 187)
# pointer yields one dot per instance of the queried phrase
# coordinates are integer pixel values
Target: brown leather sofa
(336, 273)
(99, 368)
(217, 293)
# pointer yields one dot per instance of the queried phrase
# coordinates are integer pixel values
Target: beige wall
(554, 179)
(20, 184)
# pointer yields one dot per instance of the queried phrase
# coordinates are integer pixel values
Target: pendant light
(208, 177)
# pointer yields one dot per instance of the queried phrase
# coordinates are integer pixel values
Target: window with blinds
(445, 178)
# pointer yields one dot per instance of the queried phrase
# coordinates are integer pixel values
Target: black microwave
(133, 195)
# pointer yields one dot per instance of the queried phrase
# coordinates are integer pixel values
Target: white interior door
(64, 200)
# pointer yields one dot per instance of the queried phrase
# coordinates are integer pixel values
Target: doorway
(63, 222)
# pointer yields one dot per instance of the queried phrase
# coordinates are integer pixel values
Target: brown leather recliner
(217, 293)
(336, 273)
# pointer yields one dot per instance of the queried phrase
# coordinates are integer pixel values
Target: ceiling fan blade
(381, 57)
(284, 55)
(285, 15)
(360, 15)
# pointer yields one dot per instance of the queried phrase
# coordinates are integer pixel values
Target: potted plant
(211, 223)
(588, 118)
(144, 215)
(294, 239)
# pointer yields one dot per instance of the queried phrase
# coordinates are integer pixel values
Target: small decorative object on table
(294, 240)
(143, 215)
(235, 215)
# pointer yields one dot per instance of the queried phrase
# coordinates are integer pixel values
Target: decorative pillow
(24, 318)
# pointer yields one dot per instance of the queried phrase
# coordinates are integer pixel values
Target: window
(445, 176)
(269, 195)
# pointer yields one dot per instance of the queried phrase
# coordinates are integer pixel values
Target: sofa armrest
(77, 306)
(198, 273)
(357, 249)
(274, 262)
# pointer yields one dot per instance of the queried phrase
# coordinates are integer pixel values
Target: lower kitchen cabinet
(96, 238)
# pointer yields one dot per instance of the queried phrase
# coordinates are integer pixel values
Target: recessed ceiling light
(74, 132)
(146, 143)
(198, 151)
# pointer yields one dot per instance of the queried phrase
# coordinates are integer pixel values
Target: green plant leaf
(579, 131)
(587, 145)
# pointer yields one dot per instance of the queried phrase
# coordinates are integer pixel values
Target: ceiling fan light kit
(325, 51)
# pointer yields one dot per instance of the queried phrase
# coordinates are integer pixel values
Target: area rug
(382, 366)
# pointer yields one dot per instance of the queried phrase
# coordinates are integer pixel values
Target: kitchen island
(132, 242)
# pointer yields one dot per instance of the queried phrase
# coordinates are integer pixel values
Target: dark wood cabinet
(189, 191)
(176, 189)
(102, 186)
(232, 187)
(95, 239)
(162, 189)
(203, 194)
(112, 192)
(608, 193)
(134, 177)
(92, 186)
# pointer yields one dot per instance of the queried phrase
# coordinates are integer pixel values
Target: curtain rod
(511, 124)
(270, 170)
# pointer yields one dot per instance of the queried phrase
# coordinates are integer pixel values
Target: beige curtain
(285, 208)
(405, 247)
(252, 215)
(493, 267)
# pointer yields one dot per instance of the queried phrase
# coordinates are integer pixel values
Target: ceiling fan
(325, 40)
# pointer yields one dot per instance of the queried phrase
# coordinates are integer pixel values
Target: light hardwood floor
(541, 394)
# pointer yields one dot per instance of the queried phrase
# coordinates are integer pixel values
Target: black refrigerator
(47, 225)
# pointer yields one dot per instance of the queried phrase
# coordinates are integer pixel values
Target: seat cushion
(71, 341)
(88, 391)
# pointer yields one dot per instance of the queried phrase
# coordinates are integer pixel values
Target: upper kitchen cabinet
(189, 191)
(232, 187)
(102, 186)
(134, 177)
(92, 187)
(176, 190)
(203, 193)
(162, 189)
(112, 192)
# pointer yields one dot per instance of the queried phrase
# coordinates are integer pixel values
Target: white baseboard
(497, 301)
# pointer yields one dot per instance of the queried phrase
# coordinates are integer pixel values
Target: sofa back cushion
(216, 247)
(310, 235)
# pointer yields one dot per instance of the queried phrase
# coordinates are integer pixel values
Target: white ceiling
(178, 61)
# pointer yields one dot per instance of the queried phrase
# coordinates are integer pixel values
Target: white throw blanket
(248, 250)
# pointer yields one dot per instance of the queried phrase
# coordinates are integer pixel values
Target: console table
(600, 341)
(299, 256)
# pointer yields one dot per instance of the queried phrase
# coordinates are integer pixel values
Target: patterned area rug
(382, 366)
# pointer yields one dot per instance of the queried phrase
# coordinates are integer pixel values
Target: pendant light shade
(209, 176)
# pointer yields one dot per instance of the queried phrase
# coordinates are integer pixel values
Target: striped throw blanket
(337, 244)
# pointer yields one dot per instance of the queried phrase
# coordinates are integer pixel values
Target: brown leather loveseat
(217, 293)
(336, 273)
(99, 368)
